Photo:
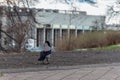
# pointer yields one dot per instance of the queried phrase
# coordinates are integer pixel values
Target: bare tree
(113, 10)
(20, 21)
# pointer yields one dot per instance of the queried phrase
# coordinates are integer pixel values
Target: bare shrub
(66, 43)
(19, 32)
(113, 37)
(90, 40)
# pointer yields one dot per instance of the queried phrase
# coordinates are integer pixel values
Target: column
(44, 29)
(35, 37)
(83, 29)
(60, 32)
(68, 31)
(75, 31)
(52, 35)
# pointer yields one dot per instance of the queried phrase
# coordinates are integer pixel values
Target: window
(47, 25)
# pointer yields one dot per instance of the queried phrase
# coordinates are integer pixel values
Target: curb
(47, 68)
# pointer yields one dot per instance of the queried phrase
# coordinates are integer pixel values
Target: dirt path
(26, 60)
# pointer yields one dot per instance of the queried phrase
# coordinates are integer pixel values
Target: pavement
(79, 72)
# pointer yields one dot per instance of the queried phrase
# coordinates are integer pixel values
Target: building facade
(53, 25)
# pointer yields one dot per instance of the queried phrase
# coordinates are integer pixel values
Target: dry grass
(1, 74)
(66, 43)
(89, 40)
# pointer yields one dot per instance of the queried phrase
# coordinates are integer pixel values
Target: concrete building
(54, 24)
(58, 23)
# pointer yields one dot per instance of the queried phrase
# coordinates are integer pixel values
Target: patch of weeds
(1, 74)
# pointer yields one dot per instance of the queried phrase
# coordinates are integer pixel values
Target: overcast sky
(97, 9)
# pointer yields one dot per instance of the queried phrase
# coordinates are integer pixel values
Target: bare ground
(69, 58)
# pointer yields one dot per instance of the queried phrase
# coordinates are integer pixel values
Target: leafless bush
(90, 40)
(113, 37)
(67, 43)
